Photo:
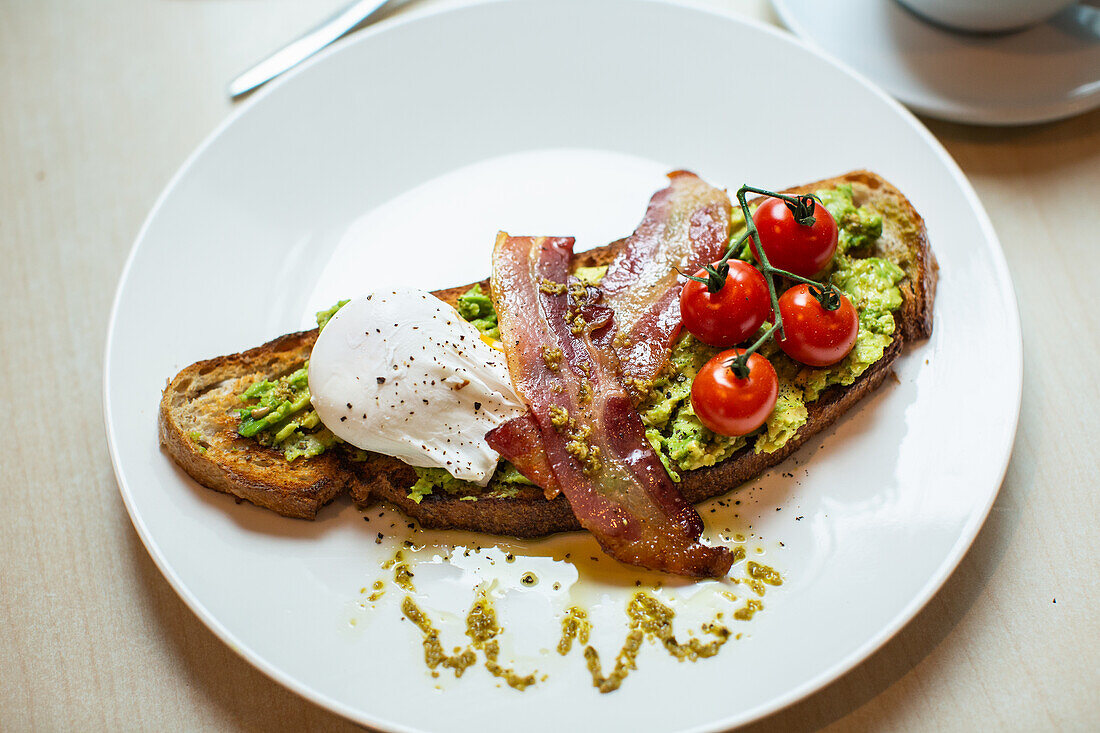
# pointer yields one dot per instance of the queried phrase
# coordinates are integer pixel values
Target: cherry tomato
(813, 335)
(803, 250)
(732, 314)
(728, 404)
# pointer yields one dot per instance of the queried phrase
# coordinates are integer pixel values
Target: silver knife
(294, 53)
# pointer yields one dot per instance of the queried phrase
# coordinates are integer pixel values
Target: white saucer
(1047, 72)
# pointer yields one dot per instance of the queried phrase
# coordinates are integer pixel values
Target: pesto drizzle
(482, 628)
(649, 618)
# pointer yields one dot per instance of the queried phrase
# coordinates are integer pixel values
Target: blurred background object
(1046, 72)
(355, 16)
(987, 16)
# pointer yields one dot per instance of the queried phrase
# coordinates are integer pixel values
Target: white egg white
(400, 372)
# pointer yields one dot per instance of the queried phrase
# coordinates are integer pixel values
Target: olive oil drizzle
(482, 628)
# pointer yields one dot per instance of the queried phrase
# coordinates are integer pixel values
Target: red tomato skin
(812, 335)
(790, 246)
(731, 315)
(729, 405)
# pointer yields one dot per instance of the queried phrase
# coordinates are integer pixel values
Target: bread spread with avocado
(243, 424)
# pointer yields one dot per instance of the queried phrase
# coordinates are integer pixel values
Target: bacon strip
(686, 226)
(520, 441)
(556, 336)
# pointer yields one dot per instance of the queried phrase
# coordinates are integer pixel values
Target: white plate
(1044, 73)
(411, 144)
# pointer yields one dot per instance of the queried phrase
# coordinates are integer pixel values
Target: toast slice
(198, 429)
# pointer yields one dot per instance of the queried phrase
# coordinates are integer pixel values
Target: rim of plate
(949, 110)
(795, 694)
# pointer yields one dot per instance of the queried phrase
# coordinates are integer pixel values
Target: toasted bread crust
(198, 431)
(200, 397)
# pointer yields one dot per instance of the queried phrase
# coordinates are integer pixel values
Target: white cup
(987, 16)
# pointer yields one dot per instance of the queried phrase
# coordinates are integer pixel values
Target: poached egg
(400, 372)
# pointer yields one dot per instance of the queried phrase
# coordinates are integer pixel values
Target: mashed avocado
(278, 413)
(789, 415)
(504, 484)
(475, 307)
(323, 317)
(283, 418)
(858, 227)
(681, 441)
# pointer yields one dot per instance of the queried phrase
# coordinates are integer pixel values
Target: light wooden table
(101, 101)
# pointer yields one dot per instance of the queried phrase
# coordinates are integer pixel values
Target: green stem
(735, 247)
(792, 276)
(739, 365)
(801, 207)
(717, 273)
(767, 268)
(796, 200)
